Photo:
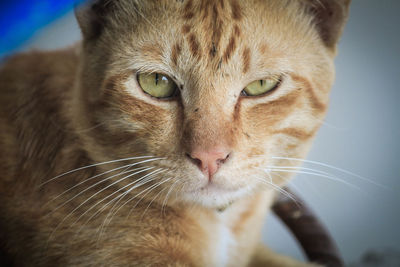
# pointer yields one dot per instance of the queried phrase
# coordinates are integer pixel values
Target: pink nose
(209, 161)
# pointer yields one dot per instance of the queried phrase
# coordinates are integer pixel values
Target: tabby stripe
(204, 9)
(176, 50)
(275, 111)
(194, 45)
(188, 9)
(229, 49)
(263, 49)
(221, 3)
(236, 10)
(297, 133)
(236, 30)
(217, 25)
(246, 60)
(188, 16)
(316, 104)
(152, 51)
(185, 29)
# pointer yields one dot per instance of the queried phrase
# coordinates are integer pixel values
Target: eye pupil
(261, 82)
(156, 77)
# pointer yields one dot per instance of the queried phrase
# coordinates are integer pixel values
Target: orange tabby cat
(153, 142)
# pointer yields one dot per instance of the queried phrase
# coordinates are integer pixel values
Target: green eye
(157, 85)
(260, 87)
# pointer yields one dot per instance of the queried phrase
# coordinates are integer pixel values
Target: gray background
(360, 134)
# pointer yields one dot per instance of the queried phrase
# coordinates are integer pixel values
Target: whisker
(151, 201)
(330, 125)
(291, 184)
(94, 165)
(149, 179)
(98, 192)
(300, 168)
(322, 176)
(142, 169)
(166, 197)
(95, 176)
(133, 184)
(149, 189)
(334, 168)
(277, 188)
(180, 190)
(97, 212)
(117, 198)
(152, 187)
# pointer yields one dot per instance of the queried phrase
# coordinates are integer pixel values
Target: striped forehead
(192, 39)
(211, 31)
(215, 19)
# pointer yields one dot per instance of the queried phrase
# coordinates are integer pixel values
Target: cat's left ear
(330, 17)
(92, 17)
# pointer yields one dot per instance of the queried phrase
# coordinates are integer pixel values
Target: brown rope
(313, 237)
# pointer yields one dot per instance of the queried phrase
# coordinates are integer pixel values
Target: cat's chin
(214, 196)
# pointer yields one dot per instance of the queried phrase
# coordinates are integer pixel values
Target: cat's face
(216, 140)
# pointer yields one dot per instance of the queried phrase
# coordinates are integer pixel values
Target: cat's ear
(92, 17)
(330, 17)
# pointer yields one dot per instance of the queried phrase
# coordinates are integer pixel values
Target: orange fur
(71, 108)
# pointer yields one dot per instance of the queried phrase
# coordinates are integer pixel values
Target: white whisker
(334, 168)
(277, 189)
(95, 176)
(291, 184)
(300, 168)
(97, 212)
(119, 197)
(149, 179)
(134, 185)
(151, 201)
(94, 165)
(166, 197)
(140, 169)
(319, 175)
(149, 189)
(98, 192)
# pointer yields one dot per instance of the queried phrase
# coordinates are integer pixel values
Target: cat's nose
(209, 161)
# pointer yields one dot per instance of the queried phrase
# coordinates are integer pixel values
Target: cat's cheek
(154, 125)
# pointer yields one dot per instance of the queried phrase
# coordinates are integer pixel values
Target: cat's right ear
(329, 17)
(92, 17)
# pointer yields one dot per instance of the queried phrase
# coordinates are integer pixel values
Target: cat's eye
(261, 87)
(157, 85)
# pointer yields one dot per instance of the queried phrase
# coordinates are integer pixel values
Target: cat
(159, 139)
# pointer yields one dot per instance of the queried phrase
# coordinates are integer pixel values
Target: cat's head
(214, 92)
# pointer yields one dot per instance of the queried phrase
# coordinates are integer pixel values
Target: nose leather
(209, 161)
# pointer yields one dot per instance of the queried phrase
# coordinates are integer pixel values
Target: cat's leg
(265, 257)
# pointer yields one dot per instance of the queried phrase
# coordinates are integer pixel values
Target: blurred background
(360, 135)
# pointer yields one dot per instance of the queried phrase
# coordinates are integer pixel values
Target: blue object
(20, 19)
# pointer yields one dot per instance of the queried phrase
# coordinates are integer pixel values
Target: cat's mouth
(214, 195)
(212, 188)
